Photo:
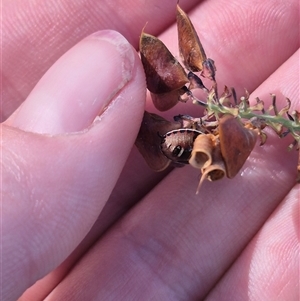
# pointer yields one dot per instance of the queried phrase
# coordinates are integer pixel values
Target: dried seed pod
(236, 143)
(190, 46)
(216, 170)
(196, 82)
(201, 156)
(177, 145)
(209, 69)
(212, 173)
(166, 101)
(163, 72)
(189, 122)
(148, 141)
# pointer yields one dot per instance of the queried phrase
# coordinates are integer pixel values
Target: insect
(177, 145)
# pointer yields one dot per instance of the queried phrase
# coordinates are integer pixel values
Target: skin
(83, 217)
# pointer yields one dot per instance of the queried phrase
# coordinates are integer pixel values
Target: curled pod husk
(216, 170)
(163, 72)
(201, 156)
(149, 141)
(236, 142)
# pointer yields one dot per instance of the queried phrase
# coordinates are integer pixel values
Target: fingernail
(79, 86)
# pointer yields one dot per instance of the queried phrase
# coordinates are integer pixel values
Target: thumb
(61, 161)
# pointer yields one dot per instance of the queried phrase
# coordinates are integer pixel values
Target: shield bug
(177, 145)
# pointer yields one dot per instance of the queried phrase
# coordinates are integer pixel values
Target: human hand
(62, 207)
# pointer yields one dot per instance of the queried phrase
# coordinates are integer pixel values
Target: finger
(66, 101)
(54, 28)
(180, 244)
(127, 184)
(119, 202)
(268, 268)
(55, 185)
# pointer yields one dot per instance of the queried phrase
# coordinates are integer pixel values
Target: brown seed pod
(166, 101)
(201, 156)
(190, 47)
(148, 140)
(196, 82)
(209, 69)
(236, 143)
(163, 72)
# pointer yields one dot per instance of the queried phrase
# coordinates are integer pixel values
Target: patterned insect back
(177, 145)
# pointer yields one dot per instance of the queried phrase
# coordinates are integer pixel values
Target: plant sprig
(282, 122)
(219, 142)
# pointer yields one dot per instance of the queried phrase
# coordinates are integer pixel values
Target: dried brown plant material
(209, 69)
(163, 72)
(190, 47)
(216, 170)
(236, 141)
(201, 156)
(212, 173)
(257, 124)
(189, 122)
(149, 140)
(166, 101)
(219, 141)
(196, 82)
